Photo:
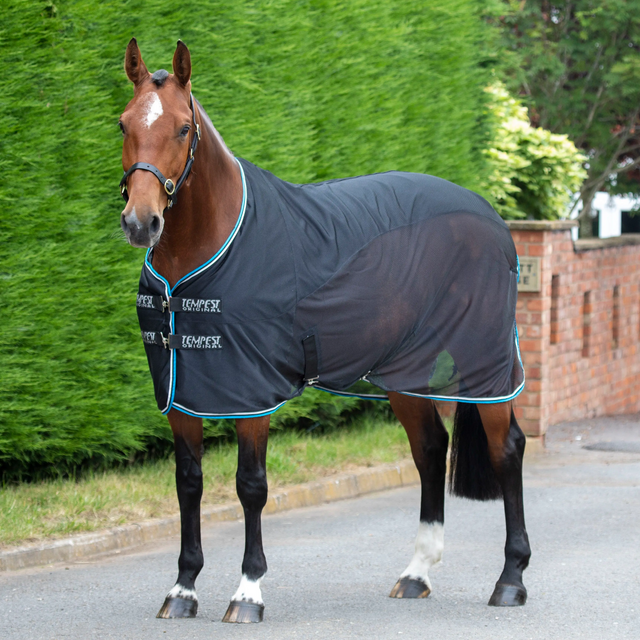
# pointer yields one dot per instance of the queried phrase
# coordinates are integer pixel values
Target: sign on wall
(529, 274)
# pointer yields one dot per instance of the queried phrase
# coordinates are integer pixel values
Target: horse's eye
(185, 130)
(121, 127)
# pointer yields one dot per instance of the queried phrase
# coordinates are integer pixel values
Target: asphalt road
(331, 567)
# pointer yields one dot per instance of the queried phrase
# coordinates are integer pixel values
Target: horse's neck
(207, 208)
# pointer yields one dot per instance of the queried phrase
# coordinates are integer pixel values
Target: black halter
(169, 186)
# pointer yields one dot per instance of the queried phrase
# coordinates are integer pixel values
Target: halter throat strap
(169, 185)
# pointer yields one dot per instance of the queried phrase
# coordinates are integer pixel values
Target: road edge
(118, 539)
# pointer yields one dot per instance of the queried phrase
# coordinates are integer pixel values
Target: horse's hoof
(178, 608)
(410, 588)
(508, 595)
(241, 611)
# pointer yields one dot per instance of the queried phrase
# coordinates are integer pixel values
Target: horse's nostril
(123, 222)
(154, 227)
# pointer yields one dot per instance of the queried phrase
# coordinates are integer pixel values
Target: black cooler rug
(403, 280)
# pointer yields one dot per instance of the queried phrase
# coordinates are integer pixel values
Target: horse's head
(158, 130)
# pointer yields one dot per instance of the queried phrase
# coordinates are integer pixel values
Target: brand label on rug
(149, 337)
(199, 305)
(200, 342)
(146, 302)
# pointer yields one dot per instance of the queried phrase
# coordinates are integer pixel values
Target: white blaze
(248, 591)
(153, 109)
(429, 548)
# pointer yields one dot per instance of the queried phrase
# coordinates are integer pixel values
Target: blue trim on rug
(207, 264)
(228, 241)
(212, 416)
(349, 394)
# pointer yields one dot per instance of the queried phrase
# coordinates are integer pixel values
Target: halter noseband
(169, 186)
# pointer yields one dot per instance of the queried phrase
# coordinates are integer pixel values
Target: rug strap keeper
(310, 348)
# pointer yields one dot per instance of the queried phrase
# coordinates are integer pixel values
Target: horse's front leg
(251, 484)
(182, 601)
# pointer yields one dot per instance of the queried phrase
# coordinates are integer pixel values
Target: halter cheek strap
(169, 185)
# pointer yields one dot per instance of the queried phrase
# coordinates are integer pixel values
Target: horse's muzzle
(145, 233)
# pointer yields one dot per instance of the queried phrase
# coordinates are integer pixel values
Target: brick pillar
(533, 239)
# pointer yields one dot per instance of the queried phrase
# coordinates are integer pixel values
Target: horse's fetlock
(519, 552)
(254, 565)
(190, 564)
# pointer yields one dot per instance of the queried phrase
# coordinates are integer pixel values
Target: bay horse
(170, 146)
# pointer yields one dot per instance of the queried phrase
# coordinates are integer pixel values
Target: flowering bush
(534, 172)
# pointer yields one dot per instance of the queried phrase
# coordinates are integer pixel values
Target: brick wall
(580, 333)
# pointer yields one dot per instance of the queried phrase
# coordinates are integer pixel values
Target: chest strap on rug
(195, 305)
(155, 337)
(174, 341)
(310, 359)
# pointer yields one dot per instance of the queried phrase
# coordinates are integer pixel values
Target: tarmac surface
(332, 566)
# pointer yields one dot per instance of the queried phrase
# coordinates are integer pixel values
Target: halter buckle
(169, 186)
(197, 130)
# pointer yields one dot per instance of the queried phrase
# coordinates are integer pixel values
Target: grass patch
(56, 508)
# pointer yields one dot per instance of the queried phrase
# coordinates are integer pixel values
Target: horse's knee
(513, 450)
(438, 444)
(252, 487)
(188, 468)
(188, 478)
(517, 437)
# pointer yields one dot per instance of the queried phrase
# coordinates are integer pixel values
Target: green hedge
(308, 89)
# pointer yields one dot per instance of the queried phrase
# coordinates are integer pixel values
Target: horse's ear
(133, 63)
(182, 63)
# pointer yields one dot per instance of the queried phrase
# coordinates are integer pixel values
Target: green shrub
(307, 89)
(535, 172)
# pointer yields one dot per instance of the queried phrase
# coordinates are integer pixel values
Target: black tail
(471, 475)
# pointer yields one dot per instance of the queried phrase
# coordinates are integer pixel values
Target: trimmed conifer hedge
(310, 89)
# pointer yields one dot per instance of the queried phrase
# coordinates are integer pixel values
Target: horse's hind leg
(181, 601)
(506, 450)
(429, 440)
(251, 484)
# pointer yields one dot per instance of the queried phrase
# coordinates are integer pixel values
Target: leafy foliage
(535, 172)
(578, 64)
(310, 89)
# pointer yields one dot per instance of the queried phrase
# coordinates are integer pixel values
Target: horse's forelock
(160, 77)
